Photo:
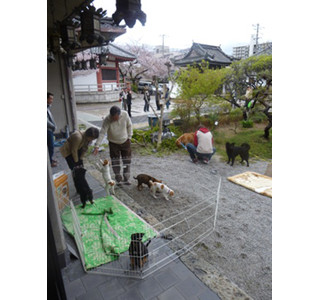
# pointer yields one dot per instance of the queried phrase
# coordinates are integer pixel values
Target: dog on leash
(144, 178)
(185, 139)
(233, 151)
(104, 168)
(162, 188)
(138, 251)
(82, 185)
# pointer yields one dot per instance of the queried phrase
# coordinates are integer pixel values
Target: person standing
(124, 100)
(118, 127)
(203, 145)
(51, 127)
(121, 97)
(146, 99)
(158, 95)
(129, 101)
(166, 97)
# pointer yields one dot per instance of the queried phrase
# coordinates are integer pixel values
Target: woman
(76, 146)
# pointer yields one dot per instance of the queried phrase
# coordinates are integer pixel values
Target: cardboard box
(61, 185)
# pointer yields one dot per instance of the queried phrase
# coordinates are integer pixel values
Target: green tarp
(106, 228)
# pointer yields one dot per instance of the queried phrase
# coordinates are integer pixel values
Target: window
(109, 74)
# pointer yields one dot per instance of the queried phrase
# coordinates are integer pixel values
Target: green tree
(256, 72)
(197, 87)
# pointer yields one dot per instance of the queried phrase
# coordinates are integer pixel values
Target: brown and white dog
(162, 188)
(104, 168)
(185, 139)
(144, 178)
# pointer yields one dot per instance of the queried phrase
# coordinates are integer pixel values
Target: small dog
(162, 188)
(104, 168)
(233, 151)
(144, 178)
(185, 139)
(82, 186)
(138, 251)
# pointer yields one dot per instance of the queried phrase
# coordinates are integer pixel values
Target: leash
(183, 146)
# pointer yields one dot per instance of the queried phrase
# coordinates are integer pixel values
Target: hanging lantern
(103, 59)
(70, 58)
(93, 63)
(68, 35)
(84, 65)
(90, 24)
(55, 42)
(77, 66)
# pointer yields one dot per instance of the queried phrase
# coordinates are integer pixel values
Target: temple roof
(119, 53)
(198, 52)
(111, 50)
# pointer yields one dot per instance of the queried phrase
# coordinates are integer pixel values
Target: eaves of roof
(120, 53)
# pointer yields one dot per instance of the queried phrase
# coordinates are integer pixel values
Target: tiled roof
(119, 52)
(199, 52)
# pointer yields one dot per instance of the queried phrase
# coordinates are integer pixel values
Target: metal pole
(217, 203)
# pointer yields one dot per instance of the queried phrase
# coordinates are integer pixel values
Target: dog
(144, 178)
(138, 251)
(185, 139)
(162, 188)
(233, 151)
(82, 186)
(104, 168)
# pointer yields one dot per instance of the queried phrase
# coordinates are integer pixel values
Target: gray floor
(173, 282)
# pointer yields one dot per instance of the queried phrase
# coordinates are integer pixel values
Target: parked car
(143, 84)
(160, 87)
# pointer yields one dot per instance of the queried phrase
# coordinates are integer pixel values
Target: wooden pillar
(99, 79)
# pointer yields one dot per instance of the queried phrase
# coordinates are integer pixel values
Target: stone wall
(97, 97)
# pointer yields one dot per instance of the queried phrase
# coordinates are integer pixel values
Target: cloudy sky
(226, 23)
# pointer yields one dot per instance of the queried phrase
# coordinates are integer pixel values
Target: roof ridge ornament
(130, 11)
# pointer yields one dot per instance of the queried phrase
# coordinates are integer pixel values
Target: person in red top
(202, 149)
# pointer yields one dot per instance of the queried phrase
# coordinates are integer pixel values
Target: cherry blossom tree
(146, 64)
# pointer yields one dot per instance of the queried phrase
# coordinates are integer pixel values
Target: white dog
(162, 188)
(104, 168)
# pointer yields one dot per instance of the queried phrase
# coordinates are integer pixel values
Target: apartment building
(243, 52)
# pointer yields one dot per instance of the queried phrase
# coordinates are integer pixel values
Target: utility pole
(257, 26)
(163, 35)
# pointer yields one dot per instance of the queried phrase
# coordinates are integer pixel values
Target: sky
(225, 23)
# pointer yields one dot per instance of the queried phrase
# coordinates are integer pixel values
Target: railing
(99, 88)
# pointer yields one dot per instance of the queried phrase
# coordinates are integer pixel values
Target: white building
(243, 52)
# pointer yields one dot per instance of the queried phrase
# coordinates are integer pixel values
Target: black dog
(233, 151)
(138, 251)
(82, 185)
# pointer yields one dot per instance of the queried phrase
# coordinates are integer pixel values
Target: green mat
(106, 228)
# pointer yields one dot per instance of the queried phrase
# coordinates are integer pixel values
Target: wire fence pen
(175, 234)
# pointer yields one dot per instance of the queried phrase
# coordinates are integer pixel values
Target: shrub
(169, 144)
(247, 124)
(258, 117)
(134, 88)
(143, 138)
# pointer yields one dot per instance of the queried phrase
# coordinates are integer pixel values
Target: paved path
(93, 114)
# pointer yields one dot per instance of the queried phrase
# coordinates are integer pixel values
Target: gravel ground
(235, 260)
